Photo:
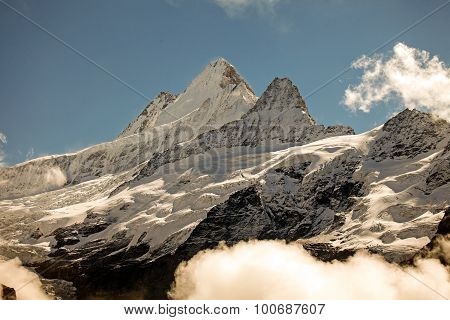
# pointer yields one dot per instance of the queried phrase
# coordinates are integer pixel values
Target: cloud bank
(276, 270)
(26, 283)
(410, 75)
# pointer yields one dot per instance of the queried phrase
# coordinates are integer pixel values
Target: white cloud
(412, 76)
(235, 7)
(276, 270)
(3, 140)
(26, 283)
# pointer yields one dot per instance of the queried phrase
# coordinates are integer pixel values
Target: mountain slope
(146, 120)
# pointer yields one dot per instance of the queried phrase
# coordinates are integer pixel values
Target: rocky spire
(282, 102)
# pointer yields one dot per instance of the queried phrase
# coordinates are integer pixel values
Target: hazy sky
(53, 101)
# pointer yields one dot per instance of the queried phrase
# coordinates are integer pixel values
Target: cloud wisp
(276, 270)
(242, 9)
(236, 7)
(411, 76)
(3, 141)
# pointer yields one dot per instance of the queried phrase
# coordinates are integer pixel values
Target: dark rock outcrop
(409, 134)
(7, 293)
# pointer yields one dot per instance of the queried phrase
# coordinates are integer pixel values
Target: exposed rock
(59, 289)
(409, 134)
(7, 293)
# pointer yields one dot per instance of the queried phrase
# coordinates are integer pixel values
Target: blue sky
(53, 101)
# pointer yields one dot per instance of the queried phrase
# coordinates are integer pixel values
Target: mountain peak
(216, 96)
(284, 80)
(280, 96)
(220, 61)
(414, 118)
(410, 133)
(222, 73)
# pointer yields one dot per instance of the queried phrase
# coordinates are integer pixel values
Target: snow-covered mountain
(117, 218)
(216, 96)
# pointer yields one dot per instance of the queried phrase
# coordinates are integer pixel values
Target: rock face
(409, 134)
(117, 219)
